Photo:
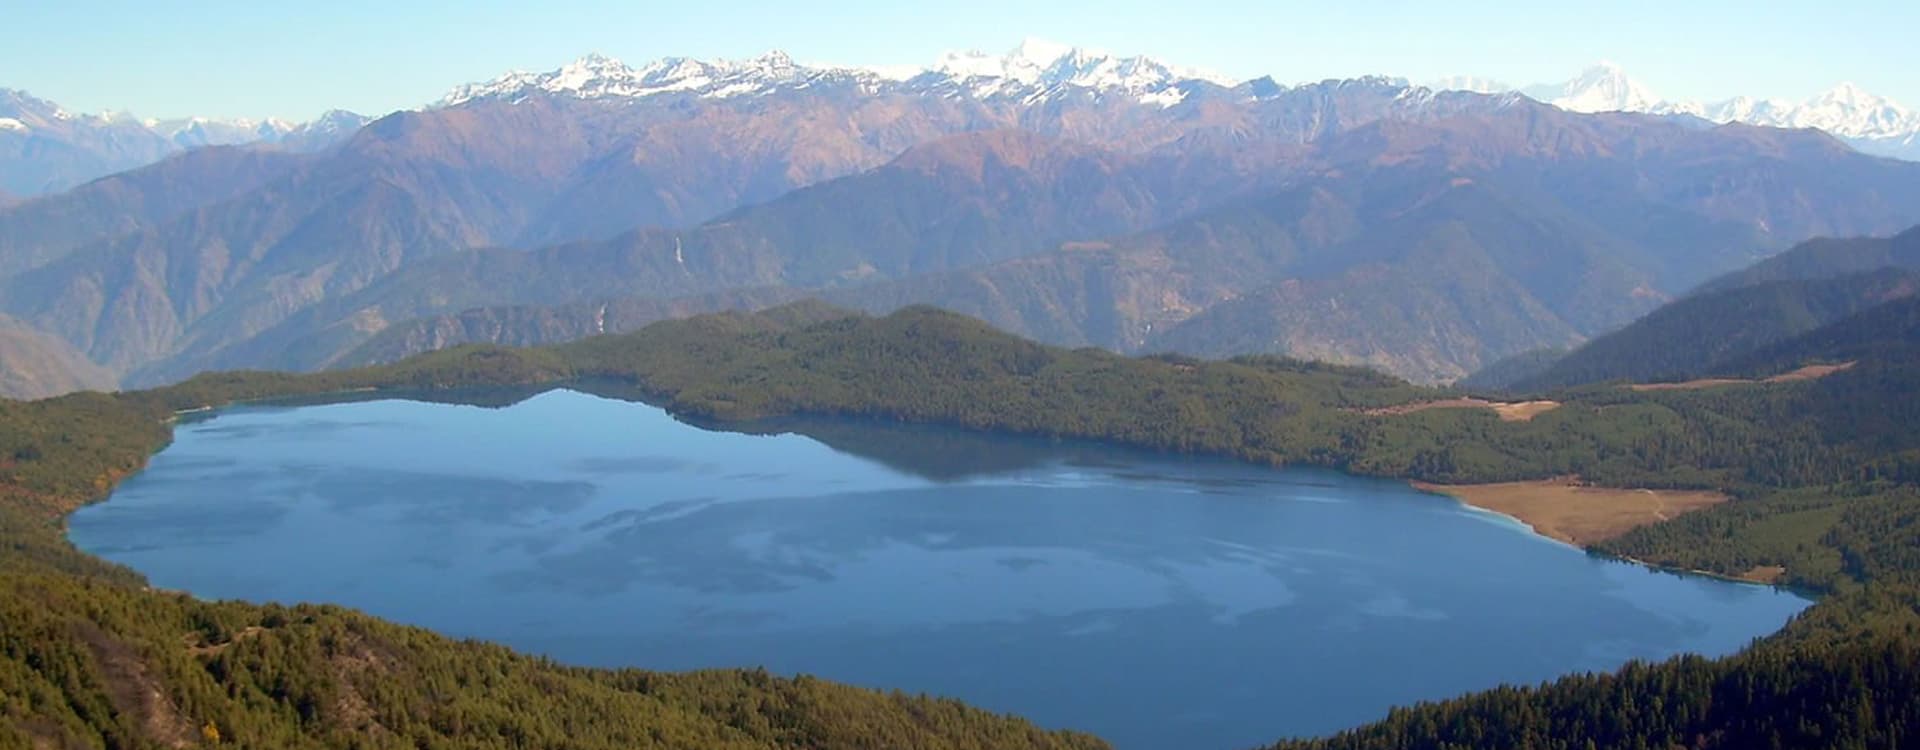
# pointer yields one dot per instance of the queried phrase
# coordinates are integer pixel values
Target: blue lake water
(1157, 601)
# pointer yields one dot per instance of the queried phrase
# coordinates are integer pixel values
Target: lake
(1157, 601)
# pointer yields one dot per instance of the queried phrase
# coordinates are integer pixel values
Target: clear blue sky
(264, 58)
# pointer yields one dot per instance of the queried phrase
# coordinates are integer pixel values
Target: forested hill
(1827, 258)
(1705, 334)
(1889, 332)
(1708, 332)
(1851, 697)
(1506, 371)
(88, 658)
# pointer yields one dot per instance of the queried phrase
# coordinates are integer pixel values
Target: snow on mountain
(1871, 123)
(1848, 111)
(1034, 70)
(65, 149)
(1038, 70)
(1474, 84)
(331, 122)
(193, 132)
(1603, 87)
(1748, 110)
(22, 112)
(1038, 55)
(597, 76)
(27, 111)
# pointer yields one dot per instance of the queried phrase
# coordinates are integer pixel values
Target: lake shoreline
(1542, 519)
(1213, 548)
(1580, 516)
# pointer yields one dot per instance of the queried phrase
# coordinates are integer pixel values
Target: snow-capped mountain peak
(1474, 84)
(1870, 122)
(1028, 64)
(598, 76)
(1040, 53)
(194, 132)
(1602, 87)
(589, 70)
(968, 64)
(774, 61)
(1037, 68)
(1847, 110)
(1746, 109)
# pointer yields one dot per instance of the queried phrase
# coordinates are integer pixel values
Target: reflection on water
(1158, 601)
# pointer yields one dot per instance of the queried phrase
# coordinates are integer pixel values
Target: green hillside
(92, 664)
(1827, 258)
(1701, 335)
(1884, 333)
(1506, 371)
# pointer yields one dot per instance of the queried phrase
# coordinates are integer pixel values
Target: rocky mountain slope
(1425, 249)
(1079, 197)
(553, 168)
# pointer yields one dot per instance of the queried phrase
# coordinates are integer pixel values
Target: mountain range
(46, 149)
(1035, 71)
(1038, 70)
(1871, 123)
(1076, 197)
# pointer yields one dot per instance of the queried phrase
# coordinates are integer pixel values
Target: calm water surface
(1156, 601)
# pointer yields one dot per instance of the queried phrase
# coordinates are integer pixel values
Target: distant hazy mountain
(1474, 84)
(1872, 123)
(46, 149)
(34, 233)
(1604, 87)
(36, 365)
(322, 132)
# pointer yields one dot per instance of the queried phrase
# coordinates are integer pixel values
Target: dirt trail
(1810, 372)
(1508, 411)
